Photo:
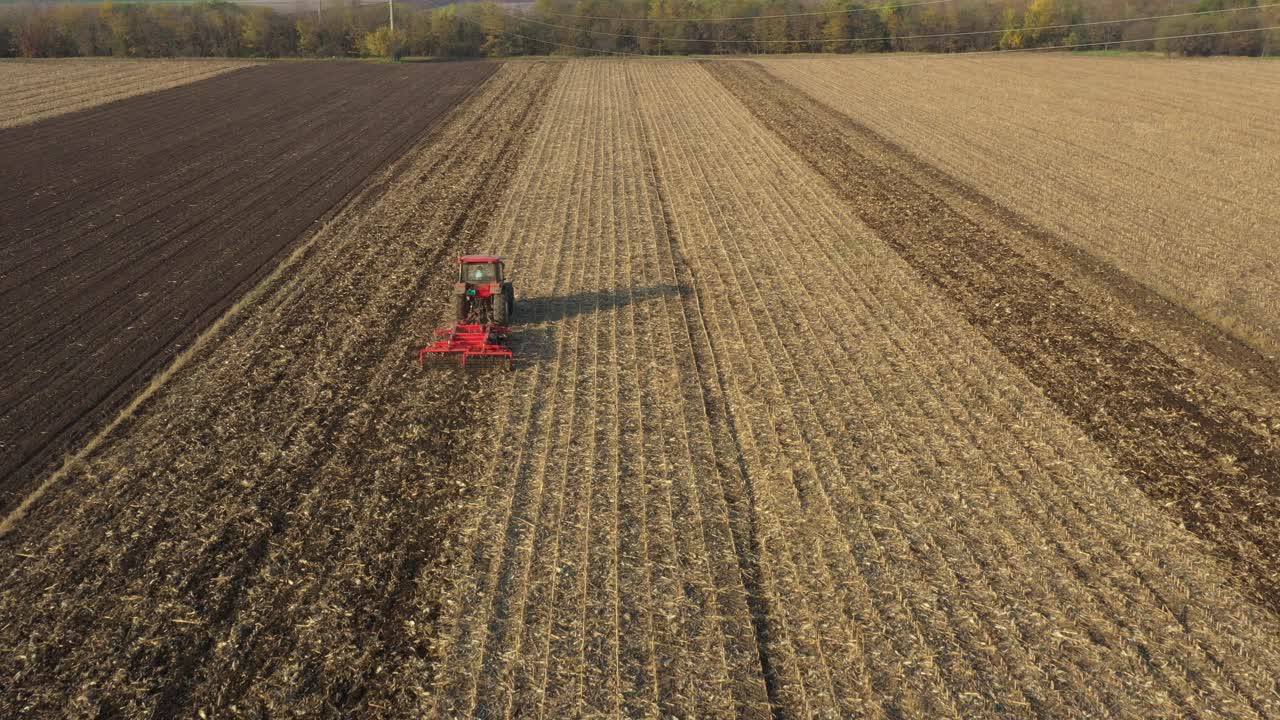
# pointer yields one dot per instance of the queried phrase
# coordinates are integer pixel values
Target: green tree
(456, 31)
(38, 36)
(894, 21)
(770, 31)
(835, 33)
(493, 23)
(256, 31)
(310, 36)
(222, 28)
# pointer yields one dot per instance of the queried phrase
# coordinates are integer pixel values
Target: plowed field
(37, 90)
(126, 229)
(801, 426)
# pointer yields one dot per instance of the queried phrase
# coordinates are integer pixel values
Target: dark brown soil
(125, 229)
(1214, 464)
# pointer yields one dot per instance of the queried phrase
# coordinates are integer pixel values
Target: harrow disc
(440, 360)
(483, 363)
(471, 347)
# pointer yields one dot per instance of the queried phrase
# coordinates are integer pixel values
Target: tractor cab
(482, 295)
(479, 269)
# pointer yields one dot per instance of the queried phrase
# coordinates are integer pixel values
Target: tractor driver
(482, 273)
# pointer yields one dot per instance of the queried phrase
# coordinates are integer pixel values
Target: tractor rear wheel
(501, 309)
(459, 308)
(509, 292)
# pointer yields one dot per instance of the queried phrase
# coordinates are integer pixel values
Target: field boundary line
(372, 188)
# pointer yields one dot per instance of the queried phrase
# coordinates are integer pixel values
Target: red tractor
(481, 296)
(483, 303)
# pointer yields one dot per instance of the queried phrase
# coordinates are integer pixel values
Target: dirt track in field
(124, 230)
(264, 537)
(39, 89)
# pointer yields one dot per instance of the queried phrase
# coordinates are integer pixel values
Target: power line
(508, 33)
(1116, 42)
(522, 18)
(749, 17)
(932, 55)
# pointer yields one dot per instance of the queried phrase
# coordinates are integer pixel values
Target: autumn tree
(383, 42)
(222, 28)
(1011, 38)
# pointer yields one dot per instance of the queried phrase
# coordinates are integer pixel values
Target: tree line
(216, 28)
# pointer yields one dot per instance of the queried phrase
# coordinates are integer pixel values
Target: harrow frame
(480, 344)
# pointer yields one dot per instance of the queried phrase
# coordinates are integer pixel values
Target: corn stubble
(752, 462)
(1168, 425)
(762, 466)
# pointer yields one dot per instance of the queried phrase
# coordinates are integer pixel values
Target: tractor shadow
(539, 320)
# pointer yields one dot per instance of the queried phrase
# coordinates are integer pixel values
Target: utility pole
(391, 10)
(320, 12)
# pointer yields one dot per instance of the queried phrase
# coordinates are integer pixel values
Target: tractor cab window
(480, 273)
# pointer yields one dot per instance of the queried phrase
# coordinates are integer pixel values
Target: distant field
(1166, 168)
(34, 90)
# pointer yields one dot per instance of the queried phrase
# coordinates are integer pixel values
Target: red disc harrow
(469, 346)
